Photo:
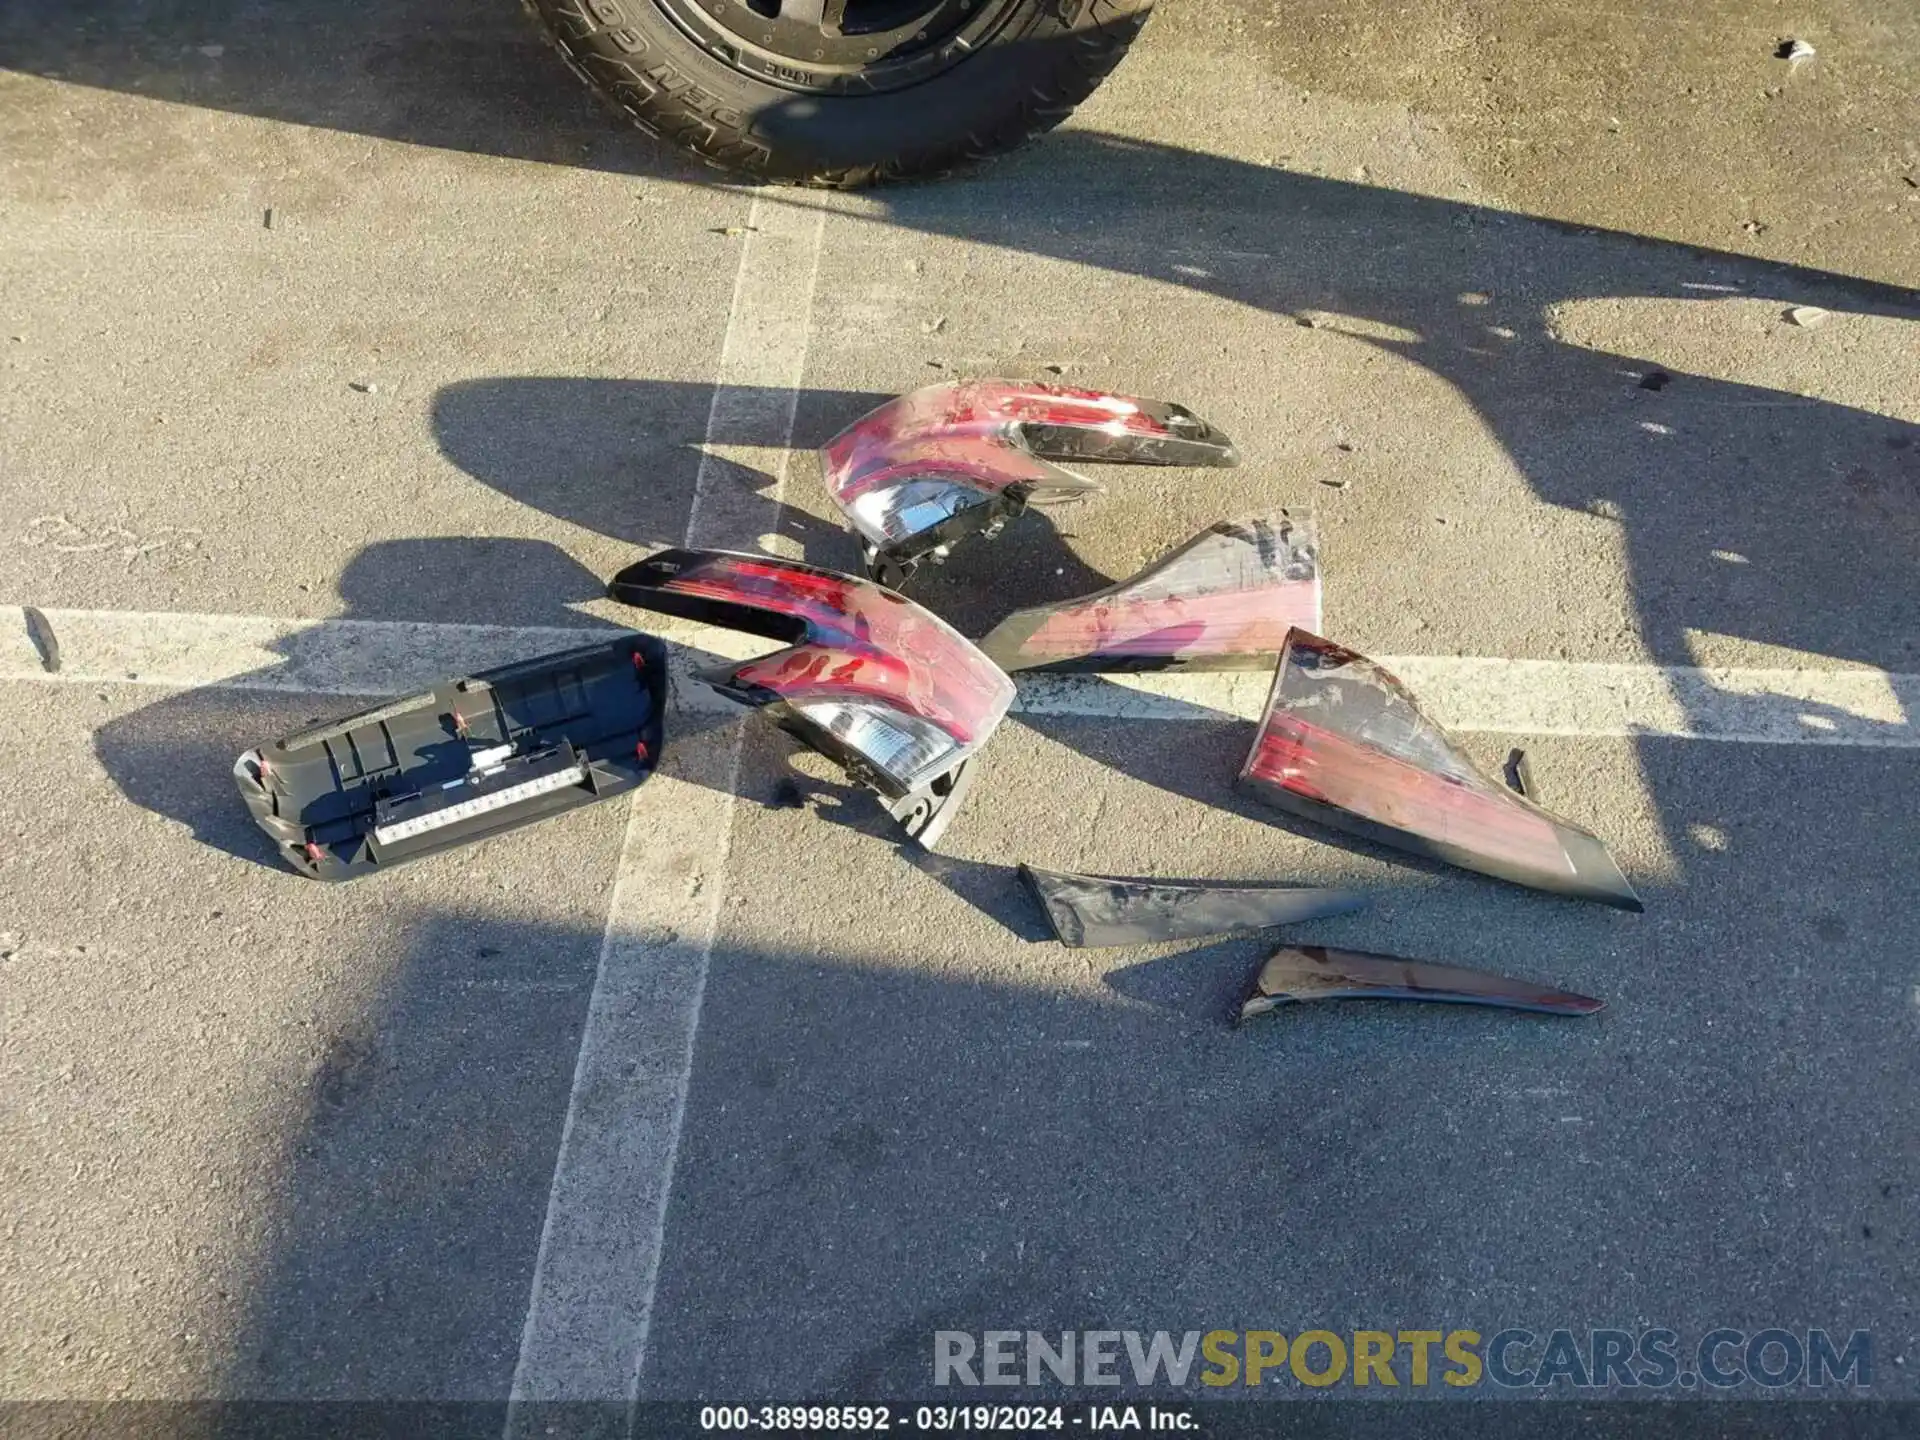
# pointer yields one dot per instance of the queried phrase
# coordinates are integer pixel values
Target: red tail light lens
(1342, 742)
(947, 461)
(869, 678)
(1224, 600)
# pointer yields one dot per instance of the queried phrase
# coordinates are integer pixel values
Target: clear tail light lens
(902, 746)
(930, 468)
(1342, 742)
(1224, 600)
(885, 688)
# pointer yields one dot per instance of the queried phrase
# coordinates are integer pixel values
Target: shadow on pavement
(873, 1151)
(502, 432)
(1745, 514)
(458, 75)
(1819, 500)
(420, 1177)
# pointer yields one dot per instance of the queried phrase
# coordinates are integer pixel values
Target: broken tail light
(1300, 973)
(883, 687)
(947, 461)
(1342, 742)
(1224, 600)
(468, 759)
(1112, 910)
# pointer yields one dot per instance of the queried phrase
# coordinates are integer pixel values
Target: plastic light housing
(468, 759)
(1225, 600)
(875, 682)
(1342, 742)
(1123, 910)
(947, 461)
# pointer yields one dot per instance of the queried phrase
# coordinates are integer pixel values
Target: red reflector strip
(1319, 765)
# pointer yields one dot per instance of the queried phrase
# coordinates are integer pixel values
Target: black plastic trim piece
(925, 811)
(1101, 910)
(893, 565)
(468, 759)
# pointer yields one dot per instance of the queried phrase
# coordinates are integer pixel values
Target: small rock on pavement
(365, 387)
(1807, 317)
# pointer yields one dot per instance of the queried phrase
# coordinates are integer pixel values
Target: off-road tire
(1046, 58)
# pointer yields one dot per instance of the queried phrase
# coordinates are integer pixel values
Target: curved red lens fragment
(1342, 742)
(946, 461)
(854, 644)
(1226, 599)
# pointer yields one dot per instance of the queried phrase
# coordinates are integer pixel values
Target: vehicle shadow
(458, 76)
(873, 1151)
(1818, 499)
(1701, 468)
(422, 1151)
(482, 426)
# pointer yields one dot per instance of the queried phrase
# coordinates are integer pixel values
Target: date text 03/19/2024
(943, 1419)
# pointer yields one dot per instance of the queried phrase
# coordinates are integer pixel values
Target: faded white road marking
(585, 1336)
(1782, 706)
(311, 657)
(1553, 697)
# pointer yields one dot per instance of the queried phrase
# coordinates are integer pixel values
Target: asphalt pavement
(342, 352)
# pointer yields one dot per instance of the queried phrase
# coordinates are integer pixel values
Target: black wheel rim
(840, 46)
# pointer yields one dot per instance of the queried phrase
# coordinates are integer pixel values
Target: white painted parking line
(1853, 706)
(1552, 697)
(259, 652)
(585, 1336)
